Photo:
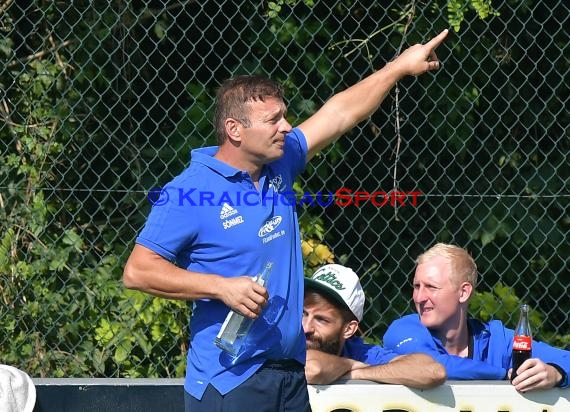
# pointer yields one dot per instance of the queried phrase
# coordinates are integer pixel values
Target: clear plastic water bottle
(235, 328)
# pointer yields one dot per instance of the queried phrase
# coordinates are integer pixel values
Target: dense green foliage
(102, 101)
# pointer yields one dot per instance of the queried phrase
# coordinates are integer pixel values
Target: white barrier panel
(459, 396)
(167, 395)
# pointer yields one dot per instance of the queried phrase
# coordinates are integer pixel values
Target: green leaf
(122, 351)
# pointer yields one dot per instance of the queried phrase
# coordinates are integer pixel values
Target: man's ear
(465, 291)
(233, 129)
(350, 329)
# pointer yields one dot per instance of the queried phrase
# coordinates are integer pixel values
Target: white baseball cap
(17, 390)
(340, 284)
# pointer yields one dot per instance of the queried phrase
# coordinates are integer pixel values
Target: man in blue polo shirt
(219, 222)
(444, 282)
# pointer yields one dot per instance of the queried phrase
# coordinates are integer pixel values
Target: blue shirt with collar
(212, 219)
(491, 353)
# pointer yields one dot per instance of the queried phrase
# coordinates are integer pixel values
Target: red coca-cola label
(522, 343)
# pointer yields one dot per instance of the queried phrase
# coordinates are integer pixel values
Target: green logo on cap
(330, 278)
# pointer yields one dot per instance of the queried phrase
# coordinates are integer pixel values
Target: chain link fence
(101, 101)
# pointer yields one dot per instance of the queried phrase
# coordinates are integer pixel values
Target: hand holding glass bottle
(236, 326)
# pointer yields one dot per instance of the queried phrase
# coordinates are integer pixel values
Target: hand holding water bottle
(244, 295)
(236, 326)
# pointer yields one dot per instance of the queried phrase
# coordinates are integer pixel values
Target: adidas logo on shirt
(227, 211)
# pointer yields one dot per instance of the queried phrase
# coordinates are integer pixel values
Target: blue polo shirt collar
(205, 156)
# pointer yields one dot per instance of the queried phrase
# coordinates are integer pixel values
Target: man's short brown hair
(233, 98)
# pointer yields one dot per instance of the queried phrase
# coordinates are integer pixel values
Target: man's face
(436, 298)
(264, 139)
(323, 326)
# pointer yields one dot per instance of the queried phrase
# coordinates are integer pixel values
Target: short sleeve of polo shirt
(169, 226)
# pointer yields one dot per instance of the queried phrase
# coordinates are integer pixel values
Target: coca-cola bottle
(522, 342)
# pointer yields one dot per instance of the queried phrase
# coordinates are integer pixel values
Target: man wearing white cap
(333, 308)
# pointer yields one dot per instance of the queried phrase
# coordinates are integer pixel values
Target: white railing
(459, 396)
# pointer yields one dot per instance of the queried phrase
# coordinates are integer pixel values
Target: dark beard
(332, 347)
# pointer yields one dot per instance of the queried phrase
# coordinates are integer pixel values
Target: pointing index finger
(437, 40)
